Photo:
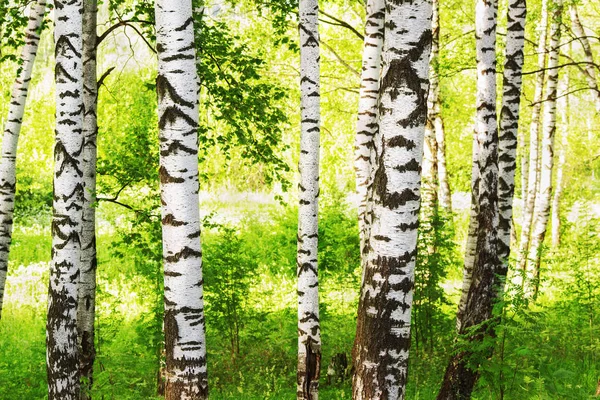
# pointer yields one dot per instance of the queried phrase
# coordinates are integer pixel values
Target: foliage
(436, 256)
(229, 270)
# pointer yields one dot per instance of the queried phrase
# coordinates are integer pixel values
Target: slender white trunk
(509, 123)
(177, 87)
(61, 329)
(434, 111)
(544, 196)
(561, 163)
(86, 311)
(367, 126)
(471, 245)
(429, 175)
(309, 330)
(12, 129)
(590, 68)
(382, 341)
(534, 143)
(460, 377)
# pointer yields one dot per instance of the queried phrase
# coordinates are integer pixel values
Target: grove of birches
(262, 199)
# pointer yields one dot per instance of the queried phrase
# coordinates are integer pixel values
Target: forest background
(249, 140)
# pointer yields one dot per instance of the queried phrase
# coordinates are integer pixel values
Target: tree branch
(341, 60)
(341, 23)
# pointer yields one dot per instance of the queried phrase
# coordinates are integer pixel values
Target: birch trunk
(61, 328)
(367, 126)
(556, 224)
(177, 87)
(471, 245)
(86, 311)
(459, 379)
(309, 330)
(544, 196)
(382, 341)
(435, 115)
(430, 182)
(509, 124)
(12, 129)
(534, 143)
(590, 68)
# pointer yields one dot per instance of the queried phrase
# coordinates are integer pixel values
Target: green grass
(546, 352)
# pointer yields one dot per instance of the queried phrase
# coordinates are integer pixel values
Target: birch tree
(12, 129)
(309, 330)
(61, 328)
(509, 123)
(367, 125)
(87, 280)
(562, 155)
(177, 87)
(544, 195)
(590, 68)
(534, 142)
(434, 111)
(459, 379)
(380, 353)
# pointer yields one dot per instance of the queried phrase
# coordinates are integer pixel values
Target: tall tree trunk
(544, 196)
(367, 126)
(429, 170)
(309, 330)
(382, 341)
(534, 140)
(509, 124)
(590, 68)
(86, 311)
(434, 113)
(61, 328)
(177, 87)
(471, 245)
(459, 379)
(12, 129)
(556, 224)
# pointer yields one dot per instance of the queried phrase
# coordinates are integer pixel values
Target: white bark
(544, 196)
(383, 328)
(434, 110)
(61, 328)
(367, 125)
(12, 129)
(309, 331)
(509, 123)
(177, 87)
(87, 280)
(564, 108)
(471, 245)
(534, 143)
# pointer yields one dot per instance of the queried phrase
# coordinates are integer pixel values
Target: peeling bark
(61, 328)
(177, 87)
(380, 353)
